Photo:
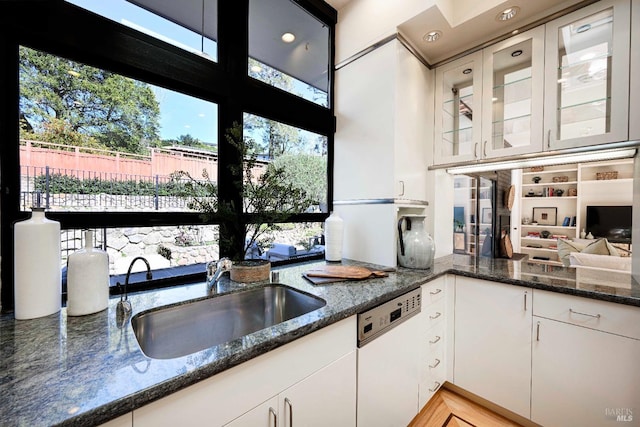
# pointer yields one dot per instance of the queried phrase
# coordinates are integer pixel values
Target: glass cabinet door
(458, 110)
(512, 122)
(587, 85)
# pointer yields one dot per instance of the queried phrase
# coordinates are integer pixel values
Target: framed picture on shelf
(545, 216)
(486, 216)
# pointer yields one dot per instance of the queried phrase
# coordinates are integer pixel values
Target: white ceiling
(466, 24)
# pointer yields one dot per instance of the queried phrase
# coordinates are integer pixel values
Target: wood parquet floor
(449, 409)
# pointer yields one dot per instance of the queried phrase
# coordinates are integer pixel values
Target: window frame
(54, 27)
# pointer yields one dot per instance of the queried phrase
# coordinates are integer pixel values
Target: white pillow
(599, 261)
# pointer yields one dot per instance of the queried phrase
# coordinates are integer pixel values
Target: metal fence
(97, 191)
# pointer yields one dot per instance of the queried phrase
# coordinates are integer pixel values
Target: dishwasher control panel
(374, 322)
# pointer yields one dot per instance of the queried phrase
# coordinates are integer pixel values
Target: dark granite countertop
(80, 371)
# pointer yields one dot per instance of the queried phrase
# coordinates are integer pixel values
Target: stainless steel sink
(182, 329)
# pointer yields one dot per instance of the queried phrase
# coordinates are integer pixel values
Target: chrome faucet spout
(123, 309)
(215, 269)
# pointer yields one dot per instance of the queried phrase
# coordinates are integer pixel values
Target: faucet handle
(216, 268)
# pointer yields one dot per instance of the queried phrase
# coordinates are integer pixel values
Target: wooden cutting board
(343, 272)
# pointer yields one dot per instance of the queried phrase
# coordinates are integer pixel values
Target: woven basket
(563, 178)
(606, 175)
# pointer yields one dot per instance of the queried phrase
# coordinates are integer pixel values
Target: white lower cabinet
(433, 339)
(122, 421)
(581, 375)
(493, 342)
(326, 398)
(308, 371)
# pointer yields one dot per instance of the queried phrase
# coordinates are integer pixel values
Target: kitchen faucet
(215, 269)
(123, 309)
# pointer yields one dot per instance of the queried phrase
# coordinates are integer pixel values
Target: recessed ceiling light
(467, 71)
(288, 37)
(432, 36)
(508, 13)
(516, 53)
(514, 32)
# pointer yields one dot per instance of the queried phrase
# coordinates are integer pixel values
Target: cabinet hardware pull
(597, 316)
(272, 412)
(436, 340)
(402, 186)
(437, 386)
(436, 292)
(538, 332)
(525, 300)
(549, 138)
(484, 150)
(288, 403)
(475, 150)
(438, 314)
(435, 364)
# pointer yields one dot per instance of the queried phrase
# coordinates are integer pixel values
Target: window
(93, 140)
(201, 84)
(190, 25)
(292, 53)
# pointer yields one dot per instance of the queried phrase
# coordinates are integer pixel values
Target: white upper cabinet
(487, 104)
(511, 100)
(634, 92)
(587, 76)
(458, 110)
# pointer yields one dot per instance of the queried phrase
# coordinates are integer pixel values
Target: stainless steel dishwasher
(388, 356)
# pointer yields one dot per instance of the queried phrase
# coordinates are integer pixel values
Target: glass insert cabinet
(486, 105)
(587, 80)
(560, 85)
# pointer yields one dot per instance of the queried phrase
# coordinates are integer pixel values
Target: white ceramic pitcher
(415, 246)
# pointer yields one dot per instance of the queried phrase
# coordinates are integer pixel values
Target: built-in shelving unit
(583, 184)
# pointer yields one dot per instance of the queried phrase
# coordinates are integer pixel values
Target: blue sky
(179, 114)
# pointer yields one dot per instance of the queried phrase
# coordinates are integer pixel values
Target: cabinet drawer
(434, 313)
(433, 292)
(600, 315)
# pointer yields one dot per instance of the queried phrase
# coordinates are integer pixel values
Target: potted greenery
(268, 199)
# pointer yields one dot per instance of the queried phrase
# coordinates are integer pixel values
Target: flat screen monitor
(611, 222)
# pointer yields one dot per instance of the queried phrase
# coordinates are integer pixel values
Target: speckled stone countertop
(82, 371)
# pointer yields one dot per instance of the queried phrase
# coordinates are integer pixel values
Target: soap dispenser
(87, 279)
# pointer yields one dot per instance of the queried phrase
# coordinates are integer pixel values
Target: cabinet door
(264, 415)
(414, 85)
(512, 103)
(587, 81)
(583, 377)
(326, 398)
(388, 377)
(122, 421)
(634, 91)
(458, 110)
(493, 342)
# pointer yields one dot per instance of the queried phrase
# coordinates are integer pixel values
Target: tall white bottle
(38, 277)
(333, 234)
(87, 279)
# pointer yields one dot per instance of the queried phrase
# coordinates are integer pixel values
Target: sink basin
(181, 329)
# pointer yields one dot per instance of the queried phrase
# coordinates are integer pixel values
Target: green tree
(304, 171)
(118, 112)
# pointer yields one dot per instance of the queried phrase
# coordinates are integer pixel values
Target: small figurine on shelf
(536, 179)
(590, 236)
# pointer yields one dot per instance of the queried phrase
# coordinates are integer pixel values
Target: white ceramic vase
(38, 276)
(87, 279)
(333, 235)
